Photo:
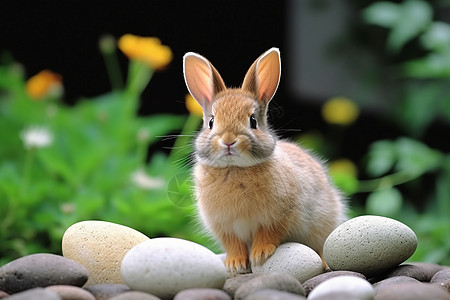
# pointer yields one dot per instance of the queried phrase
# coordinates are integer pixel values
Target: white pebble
(355, 287)
(296, 259)
(165, 266)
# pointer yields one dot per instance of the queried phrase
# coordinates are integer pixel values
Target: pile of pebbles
(103, 260)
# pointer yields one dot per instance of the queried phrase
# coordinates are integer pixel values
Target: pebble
(310, 284)
(233, 283)
(274, 295)
(393, 281)
(134, 295)
(166, 266)
(276, 281)
(100, 246)
(35, 293)
(3, 294)
(41, 270)
(343, 286)
(409, 271)
(442, 279)
(202, 294)
(369, 245)
(428, 268)
(69, 292)
(412, 291)
(295, 259)
(105, 291)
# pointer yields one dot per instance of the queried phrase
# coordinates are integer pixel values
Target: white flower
(142, 180)
(36, 137)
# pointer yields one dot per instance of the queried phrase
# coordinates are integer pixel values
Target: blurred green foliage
(397, 168)
(94, 166)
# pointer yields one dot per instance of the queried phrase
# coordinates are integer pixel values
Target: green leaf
(434, 65)
(415, 16)
(381, 158)
(419, 107)
(382, 14)
(437, 37)
(416, 157)
(160, 125)
(386, 202)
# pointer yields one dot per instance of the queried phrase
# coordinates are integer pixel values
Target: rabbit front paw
(237, 263)
(261, 253)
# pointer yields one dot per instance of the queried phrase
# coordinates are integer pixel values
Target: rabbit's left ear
(263, 77)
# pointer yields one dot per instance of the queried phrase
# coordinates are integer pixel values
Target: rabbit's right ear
(202, 79)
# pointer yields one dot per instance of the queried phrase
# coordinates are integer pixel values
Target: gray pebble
(34, 294)
(70, 292)
(412, 291)
(105, 291)
(3, 294)
(394, 281)
(442, 279)
(134, 295)
(274, 295)
(409, 271)
(202, 294)
(276, 281)
(428, 268)
(233, 283)
(316, 280)
(41, 270)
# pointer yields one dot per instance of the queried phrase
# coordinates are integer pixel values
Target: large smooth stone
(41, 270)
(351, 286)
(165, 266)
(296, 259)
(100, 246)
(369, 245)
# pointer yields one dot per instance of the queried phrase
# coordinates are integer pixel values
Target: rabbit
(253, 190)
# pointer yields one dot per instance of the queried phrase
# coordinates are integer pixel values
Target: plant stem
(28, 164)
(387, 181)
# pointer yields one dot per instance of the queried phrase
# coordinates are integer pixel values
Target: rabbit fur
(253, 190)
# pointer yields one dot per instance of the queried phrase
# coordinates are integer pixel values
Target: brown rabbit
(253, 190)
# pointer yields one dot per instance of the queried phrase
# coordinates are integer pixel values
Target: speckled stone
(202, 294)
(134, 295)
(105, 291)
(274, 295)
(310, 284)
(412, 291)
(41, 270)
(233, 283)
(69, 292)
(165, 266)
(295, 259)
(276, 281)
(343, 285)
(100, 246)
(370, 245)
(35, 294)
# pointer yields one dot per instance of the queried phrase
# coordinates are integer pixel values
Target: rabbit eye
(211, 123)
(253, 122)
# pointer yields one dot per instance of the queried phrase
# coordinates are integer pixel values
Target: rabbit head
(235, 130)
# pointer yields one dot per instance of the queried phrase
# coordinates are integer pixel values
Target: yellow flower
(146, 49)
(192, 106)
(340, 110)
(43, 84)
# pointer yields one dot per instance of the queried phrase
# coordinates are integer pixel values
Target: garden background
(103, 133)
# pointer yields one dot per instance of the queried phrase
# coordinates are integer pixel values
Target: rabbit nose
(228, 139)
